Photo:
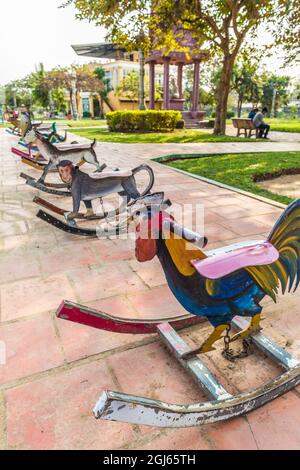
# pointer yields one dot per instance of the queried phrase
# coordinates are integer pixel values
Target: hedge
(143, 121)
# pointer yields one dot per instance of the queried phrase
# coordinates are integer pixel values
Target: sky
(34, 31)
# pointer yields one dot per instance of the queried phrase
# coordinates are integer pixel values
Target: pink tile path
(55, 371)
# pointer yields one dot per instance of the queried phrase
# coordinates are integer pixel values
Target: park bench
(245, 126)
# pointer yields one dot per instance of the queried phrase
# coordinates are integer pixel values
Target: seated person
(259, 123)
(252, 113)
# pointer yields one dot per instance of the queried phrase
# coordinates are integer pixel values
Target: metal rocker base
(45, 187)
(114, 406)
(73, 228)
(29, 156)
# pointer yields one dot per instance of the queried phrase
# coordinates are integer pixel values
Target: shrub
(229, 114)
(142, 121)
(180, 124)
(86, 115)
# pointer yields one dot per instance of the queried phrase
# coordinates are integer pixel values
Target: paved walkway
(55, 370)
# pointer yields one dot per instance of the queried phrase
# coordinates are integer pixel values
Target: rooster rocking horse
(223, 286)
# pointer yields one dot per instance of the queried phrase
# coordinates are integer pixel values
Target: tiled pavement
(56, 370)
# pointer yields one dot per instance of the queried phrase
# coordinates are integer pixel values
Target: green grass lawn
(282, 125)
(238, 169)
(179, 136)
(81, 123)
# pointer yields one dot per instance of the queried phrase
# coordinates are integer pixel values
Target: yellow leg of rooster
(208, 343)
(252, 328)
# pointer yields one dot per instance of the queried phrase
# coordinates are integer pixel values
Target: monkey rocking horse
(87, 188)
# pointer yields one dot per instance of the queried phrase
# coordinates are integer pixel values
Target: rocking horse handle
(187, 234)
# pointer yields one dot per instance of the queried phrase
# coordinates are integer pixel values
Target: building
(117, 64)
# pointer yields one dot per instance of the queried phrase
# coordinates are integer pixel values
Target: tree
(288, 29)
(74, 79)
(223, 25)
(129, 87)
(245, 82)
(40, 87)
(18, 92)
(127, 23)
(275, 87)
(105, 88)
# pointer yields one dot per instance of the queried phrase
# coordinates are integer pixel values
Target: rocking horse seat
(68, 147)
(232, 259)
(111, 174)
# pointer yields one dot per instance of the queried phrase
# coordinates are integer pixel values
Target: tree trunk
(142, 81)
(222, 95)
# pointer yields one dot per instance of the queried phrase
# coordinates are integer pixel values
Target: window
(86, 105)
(109, 77)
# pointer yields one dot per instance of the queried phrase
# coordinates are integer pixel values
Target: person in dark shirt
(253, 113)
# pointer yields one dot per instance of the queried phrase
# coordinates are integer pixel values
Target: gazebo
(179, 59)
(172, 101)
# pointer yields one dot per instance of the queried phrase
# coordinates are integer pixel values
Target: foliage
(246, 82)
(222, 25)
(238, 169)
(288, 29)
(83, 76)
(127, 21)
(146, 121)
(105, 88)
(18, 92)
(229, 114)
(40, 89)
(129, 87)
(280, 83)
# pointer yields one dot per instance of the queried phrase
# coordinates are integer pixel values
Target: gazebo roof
(100, 50)
(177, 57)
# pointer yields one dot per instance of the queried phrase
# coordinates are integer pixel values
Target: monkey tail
(150, 172)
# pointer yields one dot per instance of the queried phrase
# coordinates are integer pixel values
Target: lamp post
(14, 92)
(73, 96)
(273, 102)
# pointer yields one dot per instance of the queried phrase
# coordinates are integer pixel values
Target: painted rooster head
(154, 223)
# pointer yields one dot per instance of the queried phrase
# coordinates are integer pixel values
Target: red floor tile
(56, 413)
(159, 302)
(22, 358)
(32, 296)
(276, 425)
(106, 280)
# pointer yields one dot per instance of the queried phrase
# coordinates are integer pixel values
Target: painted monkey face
(66, 173)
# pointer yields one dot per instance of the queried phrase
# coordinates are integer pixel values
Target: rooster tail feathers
(287, 225)
(285, 236)
(285, 272)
